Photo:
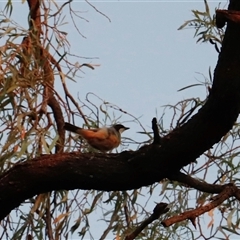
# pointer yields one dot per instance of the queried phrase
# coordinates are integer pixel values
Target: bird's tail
(72, 128)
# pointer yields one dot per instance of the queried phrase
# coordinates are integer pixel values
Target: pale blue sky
(144, 58)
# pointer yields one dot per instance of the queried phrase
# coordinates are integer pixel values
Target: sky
(144, 60)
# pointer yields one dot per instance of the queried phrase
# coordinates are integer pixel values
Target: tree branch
(194, 183)
(228, 191)
(156, 137)
(160, 209)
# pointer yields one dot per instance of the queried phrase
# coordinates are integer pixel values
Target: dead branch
(156, 137)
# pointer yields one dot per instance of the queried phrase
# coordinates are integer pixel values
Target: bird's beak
(126, 128)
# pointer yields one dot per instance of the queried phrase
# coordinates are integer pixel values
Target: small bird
(103, 139)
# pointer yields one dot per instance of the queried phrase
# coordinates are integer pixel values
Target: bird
(103, 139)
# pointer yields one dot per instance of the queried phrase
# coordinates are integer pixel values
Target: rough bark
(130, 170)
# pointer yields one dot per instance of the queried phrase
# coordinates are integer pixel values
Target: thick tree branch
(130, 170)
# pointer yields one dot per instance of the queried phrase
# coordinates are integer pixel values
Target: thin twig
(110, 226)
(48, 219)
(98, 11)
(60, 9)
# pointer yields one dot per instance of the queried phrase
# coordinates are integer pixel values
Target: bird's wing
(100, 134)
(104, 144)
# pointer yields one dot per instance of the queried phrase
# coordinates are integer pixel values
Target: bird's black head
(120, 128)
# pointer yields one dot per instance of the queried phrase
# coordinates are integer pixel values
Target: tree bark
(134, 169)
